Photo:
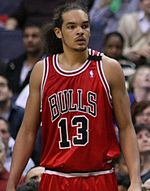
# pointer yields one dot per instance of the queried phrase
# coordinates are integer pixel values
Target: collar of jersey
(66, 72)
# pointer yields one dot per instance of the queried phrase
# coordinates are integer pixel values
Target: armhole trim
(104, 81)
(44, 77)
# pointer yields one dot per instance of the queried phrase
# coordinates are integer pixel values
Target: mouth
(80, 41)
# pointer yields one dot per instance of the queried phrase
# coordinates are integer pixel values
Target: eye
(71, 26)
(85, 26)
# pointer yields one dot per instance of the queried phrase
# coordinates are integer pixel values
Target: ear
(57, 32)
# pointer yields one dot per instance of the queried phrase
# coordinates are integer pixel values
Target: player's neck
(72, 61)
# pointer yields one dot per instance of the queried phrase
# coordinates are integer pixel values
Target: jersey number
(82, 132)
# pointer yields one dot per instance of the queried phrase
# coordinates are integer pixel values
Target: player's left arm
(121, 106)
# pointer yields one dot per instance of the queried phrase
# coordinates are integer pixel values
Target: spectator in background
(113, 47)
(104, 16)
(18, 70)
(9, 145)
(139, 85)
(141, 113)
(8, 110)
(4, 174)
(113, 10)
(143, 137)
(18, 73)
(35, 174)
(135, 28)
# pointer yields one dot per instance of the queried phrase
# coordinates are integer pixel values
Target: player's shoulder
(112, 69)
(37, 71)
(110, 62)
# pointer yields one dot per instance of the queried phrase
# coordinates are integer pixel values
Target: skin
(2, 157)
(144, 117)
(142, 78)
(143, 138)
(35, 174)
(32, 39)
(113, 47)
(5, 95)
(75, 39)
(141, 84)
(4, 132)
(33, 43)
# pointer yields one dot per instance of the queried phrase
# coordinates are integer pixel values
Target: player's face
(75, 31)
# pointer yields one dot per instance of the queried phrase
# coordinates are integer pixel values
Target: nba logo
(91, 74)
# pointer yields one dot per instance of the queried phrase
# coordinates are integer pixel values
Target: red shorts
(61, 182)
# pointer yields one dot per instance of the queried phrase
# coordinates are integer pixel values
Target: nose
(79, 30)
(145, 138)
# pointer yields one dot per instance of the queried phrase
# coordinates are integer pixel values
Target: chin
(81, 49)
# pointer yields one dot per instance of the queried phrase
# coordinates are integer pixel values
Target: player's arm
(121, 107)
(27, 133)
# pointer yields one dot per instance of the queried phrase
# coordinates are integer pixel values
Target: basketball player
(78, 90)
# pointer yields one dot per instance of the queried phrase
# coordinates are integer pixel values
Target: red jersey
(78, 133)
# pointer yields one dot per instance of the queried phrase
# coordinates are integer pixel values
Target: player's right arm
(27, 133)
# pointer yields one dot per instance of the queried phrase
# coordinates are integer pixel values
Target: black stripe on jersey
(110, 166)
(95, 57)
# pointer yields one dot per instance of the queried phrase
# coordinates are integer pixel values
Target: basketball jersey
(78, 133)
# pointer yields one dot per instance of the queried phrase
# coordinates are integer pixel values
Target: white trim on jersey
(108, 87)
(44, 77)
(104, 81)
(82, 174)
(72, 72)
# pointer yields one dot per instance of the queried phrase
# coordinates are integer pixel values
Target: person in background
(141, 113)
(139, 85)
(9, 145)
(35, 173)
(8, 109)
(74, 93)
(135, 28)
(18, 70)
(104, 17)
(113, 44)
(143, 137)
(4, 174)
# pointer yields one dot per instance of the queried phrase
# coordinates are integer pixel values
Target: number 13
(82, 137)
